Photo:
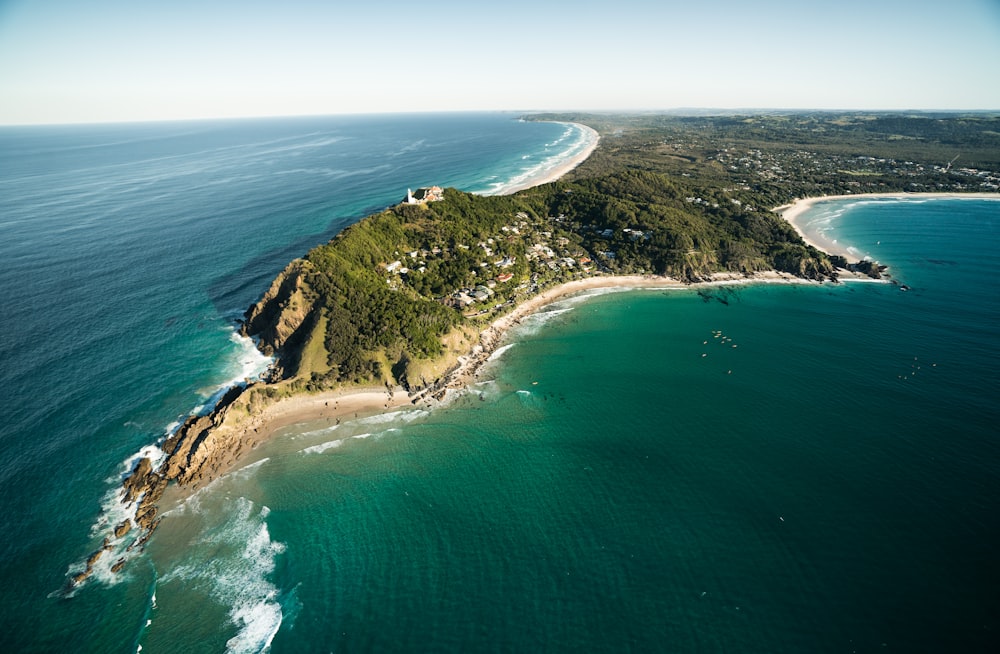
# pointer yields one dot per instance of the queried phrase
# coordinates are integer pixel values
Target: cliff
(281, 318)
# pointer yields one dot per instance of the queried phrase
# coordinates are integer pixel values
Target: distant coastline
(794, 212)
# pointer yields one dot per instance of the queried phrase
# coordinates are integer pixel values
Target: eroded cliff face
(204, 445)
(283, 317)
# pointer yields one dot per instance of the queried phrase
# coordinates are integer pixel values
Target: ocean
(752, 468)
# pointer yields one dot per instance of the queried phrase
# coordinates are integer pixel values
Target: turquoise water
(831, 483)
(825, 478)
(126, 253)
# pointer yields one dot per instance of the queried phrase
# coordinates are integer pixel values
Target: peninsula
(409, 302)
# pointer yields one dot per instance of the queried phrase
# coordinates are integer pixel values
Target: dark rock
(136, 482)
(123, 528)
(870, 268)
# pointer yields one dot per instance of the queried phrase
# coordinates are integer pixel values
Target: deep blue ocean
(825, 478)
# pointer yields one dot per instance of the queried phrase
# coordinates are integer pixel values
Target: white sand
(793, 212)
(553, 174)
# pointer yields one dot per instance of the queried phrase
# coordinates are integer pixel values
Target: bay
(824, 478)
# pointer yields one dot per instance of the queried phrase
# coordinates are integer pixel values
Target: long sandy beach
(553, 174)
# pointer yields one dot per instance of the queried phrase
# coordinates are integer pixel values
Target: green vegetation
(678, 196)
(769, 159)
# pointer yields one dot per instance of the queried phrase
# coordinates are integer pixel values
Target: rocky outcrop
(866, 267)
(207, 444)
(91, 560)
(196, 452)
(123, 528)
(282, 311)
(193, 451)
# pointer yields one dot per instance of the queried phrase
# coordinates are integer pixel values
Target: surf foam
(232, 562)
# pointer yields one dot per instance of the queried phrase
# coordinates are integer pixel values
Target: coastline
(357, 402)
(206, 448)
(554, 174)
(345, 404)
(793, 213)
(351, 403)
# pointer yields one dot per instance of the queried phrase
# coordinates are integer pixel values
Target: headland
(634, 222)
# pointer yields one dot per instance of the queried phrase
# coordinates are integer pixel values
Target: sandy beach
(350, 403)
(793, 213)
(553, 174)
(353, 402)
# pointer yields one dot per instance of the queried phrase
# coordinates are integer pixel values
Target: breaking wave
(232, 564)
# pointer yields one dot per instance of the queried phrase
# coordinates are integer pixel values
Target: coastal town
(499, 275)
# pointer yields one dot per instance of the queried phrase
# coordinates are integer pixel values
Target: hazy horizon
(675, 111)
(111, 61)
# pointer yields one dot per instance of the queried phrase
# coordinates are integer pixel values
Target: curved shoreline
(206, 448)
(794, 212)
(350, 403)
(553, 174)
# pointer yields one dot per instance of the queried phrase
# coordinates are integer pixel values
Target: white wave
(315, 432)
(323, 447)
(242, 365)
(499, 352)
(248, 362)
(545, 166)
(246, 470)
(405, 415)
(114, 512)
(534, 323)
(233, 562)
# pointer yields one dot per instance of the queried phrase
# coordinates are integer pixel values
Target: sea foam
(232, 562)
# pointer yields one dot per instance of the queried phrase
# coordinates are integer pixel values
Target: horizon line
(679, 111)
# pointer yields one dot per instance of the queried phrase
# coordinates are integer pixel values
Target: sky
(70, 61)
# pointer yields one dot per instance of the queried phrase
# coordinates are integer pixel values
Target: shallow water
(127, 252)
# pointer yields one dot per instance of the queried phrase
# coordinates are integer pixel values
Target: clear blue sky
(110, 60)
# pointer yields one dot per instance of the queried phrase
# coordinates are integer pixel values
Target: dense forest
(667, 195)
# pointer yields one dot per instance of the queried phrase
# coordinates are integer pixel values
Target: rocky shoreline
(205, 446)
